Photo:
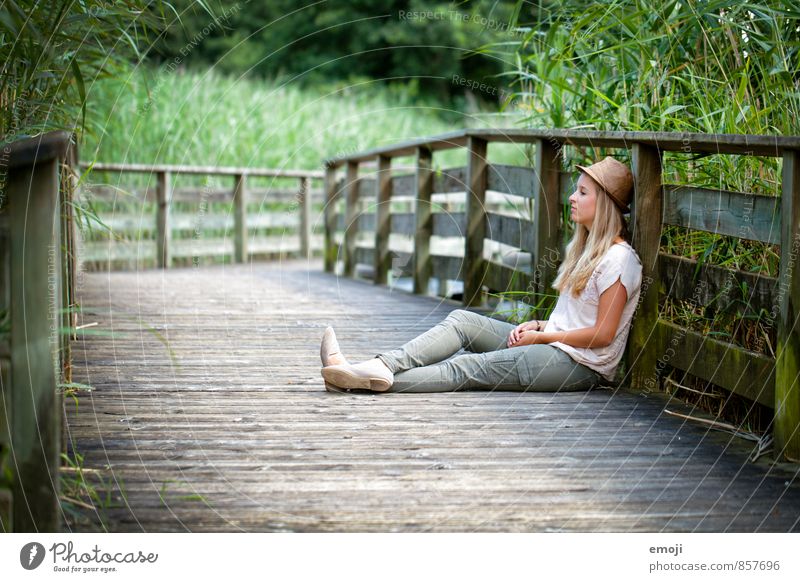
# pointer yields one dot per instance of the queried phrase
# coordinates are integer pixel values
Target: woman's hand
(517, 333)
(529, 338)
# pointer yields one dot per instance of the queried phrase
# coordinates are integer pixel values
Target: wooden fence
(35, 244)
(163, 224)
(363, 227)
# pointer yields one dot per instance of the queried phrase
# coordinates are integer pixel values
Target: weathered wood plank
(643, 349)
(450, 180)
(510, 230)
(514, 180)
(304, 198)
(474, 264)
(331, 193)
(240, 196)
(747, 216)
(500, 278)
(716, 287)
(351, 218)
(35, 302)
(134, 197)
(758, 145)
(163, 226)
(742, 372)
(423, 222)
(787, 367)
(206, 170)
(546, 250)
(382, 260)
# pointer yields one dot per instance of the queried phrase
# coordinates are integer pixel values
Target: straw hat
(615, 178)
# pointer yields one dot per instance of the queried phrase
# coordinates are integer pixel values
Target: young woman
(578, 347)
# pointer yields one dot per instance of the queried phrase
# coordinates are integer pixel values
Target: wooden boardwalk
(209, 414)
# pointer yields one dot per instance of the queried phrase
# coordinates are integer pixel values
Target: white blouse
(619, 263)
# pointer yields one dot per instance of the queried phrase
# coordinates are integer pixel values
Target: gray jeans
(425, 364)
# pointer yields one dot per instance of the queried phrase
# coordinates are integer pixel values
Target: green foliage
(207, 118)
(660, 65)
(87, 494)
(52, 50)
(414, 42)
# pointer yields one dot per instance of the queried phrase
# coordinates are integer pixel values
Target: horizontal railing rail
(130, 224)
(441, 224)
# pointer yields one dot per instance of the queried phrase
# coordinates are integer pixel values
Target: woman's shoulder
(622, 252)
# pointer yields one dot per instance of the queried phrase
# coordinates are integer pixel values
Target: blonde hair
(587, 247)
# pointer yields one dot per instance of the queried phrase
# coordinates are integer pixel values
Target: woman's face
(583, 201)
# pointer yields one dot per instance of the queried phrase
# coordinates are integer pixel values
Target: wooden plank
(694, 143)
(305, 217)
(240, 219)
(142, 250)
(423, 221)
(643, 349)
(715, 287)
(366, 188)
(502, 279)
(449, 224)
(510, 230)
(546, 249)
(383, 261)
(474, 264)
(787, 368)
(206, 170)
(747, 216)
(351, 218)
(199, 222)
(742, 372)
(23, 153)
(514, 180)
(35, 299)
(136, 196)
(404, 186)
(163, 226)
(450, 180)
(331, 194)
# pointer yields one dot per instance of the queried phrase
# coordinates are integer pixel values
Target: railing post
(330, 219)
(163, 229)
(787, 365)
(424, 220)
(240, 218)
(474, 266)
(305, 218)
(351, 219)
(644, 344)
(383, 220)
(546, 255)
(36, 406)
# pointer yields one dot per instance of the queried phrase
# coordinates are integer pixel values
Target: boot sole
(345, 380)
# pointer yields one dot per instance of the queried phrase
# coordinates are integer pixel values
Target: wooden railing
(141, 222)
(32, 292)
(360, 221)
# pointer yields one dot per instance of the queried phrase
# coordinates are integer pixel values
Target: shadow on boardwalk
(209, 413)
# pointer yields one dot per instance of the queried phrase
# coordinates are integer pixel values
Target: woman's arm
(609, 313)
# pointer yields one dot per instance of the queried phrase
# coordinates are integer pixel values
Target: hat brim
(626, 209)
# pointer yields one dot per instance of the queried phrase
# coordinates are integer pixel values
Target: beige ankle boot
(329, 351)
(370, 375)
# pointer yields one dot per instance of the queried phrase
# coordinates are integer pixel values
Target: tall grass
(193, 117)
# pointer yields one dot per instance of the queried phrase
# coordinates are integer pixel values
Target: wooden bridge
(206, 411)
(209, 414)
